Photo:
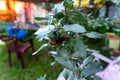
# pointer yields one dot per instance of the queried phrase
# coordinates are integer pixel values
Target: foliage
(100, 25)
(36, 65)
(65, 34)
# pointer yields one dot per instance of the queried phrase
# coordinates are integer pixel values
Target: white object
(1, 41)
(111, 72)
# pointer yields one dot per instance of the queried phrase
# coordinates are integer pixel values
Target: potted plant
(65, 34)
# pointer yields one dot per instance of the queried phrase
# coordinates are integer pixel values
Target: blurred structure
(7, 11)
(28, 9)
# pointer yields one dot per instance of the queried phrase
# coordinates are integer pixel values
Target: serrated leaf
(93, 35)
(74, 28)
(65, 63)
(80, 48)
(90, 69)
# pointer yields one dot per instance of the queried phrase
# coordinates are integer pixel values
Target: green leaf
(65, 63)
(43, 46)
(42, 32)
(74, 28)
(58, 8)
(67, 74)
(83, 79)
(68, 4)
(93, 35)
(52, 35)
(59, 15)
(80, 49)
(72, 76)
(81, 18)
(90, 69)
(40, 18)
(86, 61)
(63, 53)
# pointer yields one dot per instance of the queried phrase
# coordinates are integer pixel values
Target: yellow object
(52, 42)
(114, 44)
(110, 33)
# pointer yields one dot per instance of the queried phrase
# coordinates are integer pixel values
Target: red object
(28, 12)
(36, 1)
(18, 48)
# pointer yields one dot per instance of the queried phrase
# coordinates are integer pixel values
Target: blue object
(15, 32)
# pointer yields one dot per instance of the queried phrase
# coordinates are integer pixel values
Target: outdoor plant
(65, 35)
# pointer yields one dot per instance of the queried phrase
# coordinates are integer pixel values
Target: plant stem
(78, 72)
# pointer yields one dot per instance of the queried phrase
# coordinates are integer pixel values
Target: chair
(18, 46)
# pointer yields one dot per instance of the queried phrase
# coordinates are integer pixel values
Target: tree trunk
(91, 7)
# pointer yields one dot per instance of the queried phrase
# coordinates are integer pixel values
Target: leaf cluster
(67, 38)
